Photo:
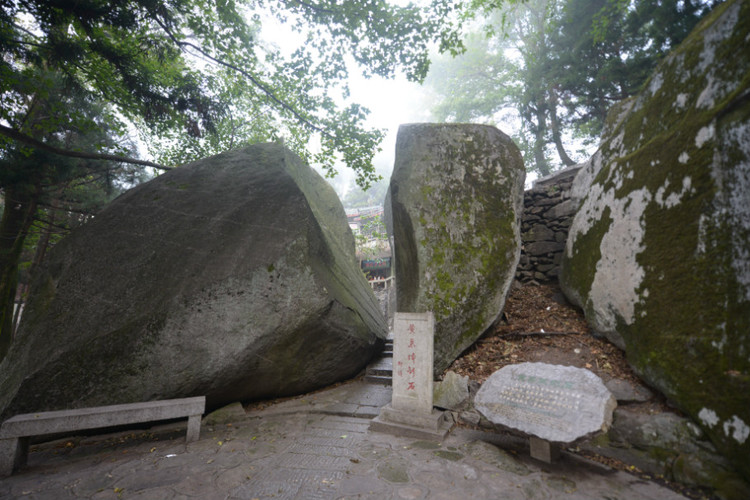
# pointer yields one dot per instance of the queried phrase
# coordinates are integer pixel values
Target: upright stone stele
(410, 412)
(413, 351)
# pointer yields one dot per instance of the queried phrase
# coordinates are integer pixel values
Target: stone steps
(381, 380)
(380, 371)
(381, 367)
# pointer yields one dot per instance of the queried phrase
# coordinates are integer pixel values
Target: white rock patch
(656, 83)
(720, 345)
(616, 145)
(740, 429)
(614, 291)
(703, 221)
(717, 33)
(585, 176)
(738, 138)
(707, 99)
(587, 215)
(680, 101)
(674, 198)
(708, 417)
(705, 134)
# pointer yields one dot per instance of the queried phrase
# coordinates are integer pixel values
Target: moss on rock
(240, 283)
(456, 197)
(659, 252)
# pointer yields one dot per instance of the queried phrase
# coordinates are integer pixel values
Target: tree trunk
(41, 250)
(540, 141)
(20, 206)
(555, 125)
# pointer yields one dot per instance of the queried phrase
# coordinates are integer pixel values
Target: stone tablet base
(543, 450)
(410, 424)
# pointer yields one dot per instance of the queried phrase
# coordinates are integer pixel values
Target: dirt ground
(539, 325)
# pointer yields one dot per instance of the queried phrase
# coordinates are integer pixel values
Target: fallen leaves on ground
(539, 325)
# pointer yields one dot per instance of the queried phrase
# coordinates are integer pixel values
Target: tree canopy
(194, 77)
(559, 65)
(185, 65)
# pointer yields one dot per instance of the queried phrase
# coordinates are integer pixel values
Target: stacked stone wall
(547, 214)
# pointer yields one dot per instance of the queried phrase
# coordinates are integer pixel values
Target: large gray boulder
(456, 195)
(658, 255)
(232, 277)
(671, 446)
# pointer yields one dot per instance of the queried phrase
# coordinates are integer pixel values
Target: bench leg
(193, 428)
(13, 452)
(544, 450)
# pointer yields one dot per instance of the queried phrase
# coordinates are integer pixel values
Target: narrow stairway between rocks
(380, 371)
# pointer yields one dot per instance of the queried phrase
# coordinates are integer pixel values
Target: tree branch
(32, 35)
(310, 6)
(40, 223)
(255, 81)
(86, 213)
(18, 136)
(23, 42)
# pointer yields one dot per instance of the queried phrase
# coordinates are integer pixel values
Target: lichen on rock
(658, 255)
(456, 196)
(233, 277)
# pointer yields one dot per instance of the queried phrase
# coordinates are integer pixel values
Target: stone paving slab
(309, 456)
(357, 398)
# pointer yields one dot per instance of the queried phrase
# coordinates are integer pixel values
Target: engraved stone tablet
(412, 361)
(552, 402)
(410, 412)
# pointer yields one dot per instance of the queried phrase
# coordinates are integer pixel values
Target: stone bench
(16, 431)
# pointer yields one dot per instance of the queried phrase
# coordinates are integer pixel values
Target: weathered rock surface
(225, 415)
(450, 392)
(627, 392)
(553, 402)
(456, 195)
(232, 277)
(665, 444)
(658, 255)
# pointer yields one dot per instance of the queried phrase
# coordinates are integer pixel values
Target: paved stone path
(310, 448)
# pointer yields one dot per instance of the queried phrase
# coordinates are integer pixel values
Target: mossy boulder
(233, 277)
(658, 255)
(456, 195)
(671, 446)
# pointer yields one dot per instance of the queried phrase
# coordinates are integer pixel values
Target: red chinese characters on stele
(411, 358)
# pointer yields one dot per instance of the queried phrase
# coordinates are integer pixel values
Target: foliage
(371, 239)
(374, 228)
(356, 197)
(45, 193)
(183, 65)
(558, 65)
(505, 75)
(606, 49)
(195, 78)
(468, 84)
